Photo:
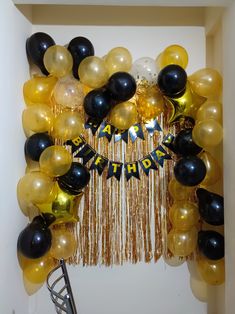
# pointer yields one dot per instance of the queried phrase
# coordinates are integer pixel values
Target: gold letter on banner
(132, 170)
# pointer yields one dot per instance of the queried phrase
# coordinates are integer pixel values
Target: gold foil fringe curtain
(124, 221)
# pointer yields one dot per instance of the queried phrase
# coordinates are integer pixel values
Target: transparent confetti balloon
(68, 92)
(145, 69)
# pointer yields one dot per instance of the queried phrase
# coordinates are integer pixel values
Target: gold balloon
(68, 125)
(69, 93)
(199, 289)
(186, 105)
(212, 272)
(173, 54)
(86, 89)
(213, 170)
(178, 191)
(64, 207)
(22, 260)
(207, 83)
(211, 109)
(207, 133)
(184, 215)
(55, 161)
(37, 119)
(29, 209)
(36, 270)
(118, 59)
(150, 103)
(124, 115)
(36, 187)
(30, 287)
(206, 226)
(38, 90)
(32, 166)
(182, 243)
(92, 72)
(58, 61)
(197, 102)
(64, 243)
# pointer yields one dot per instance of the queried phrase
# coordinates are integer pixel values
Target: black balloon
(67, 189)
(48, 219)
(80, 48)
(190, 170)
(35, 240)
(36, 46)
(98, 103)
(211, 244)
(36, 144)
(184, 144)
(75, 179)
(122, 86)
(172, 80)
(211, 207)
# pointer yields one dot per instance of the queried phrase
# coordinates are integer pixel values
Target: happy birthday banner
(81, 149)
(107, 130)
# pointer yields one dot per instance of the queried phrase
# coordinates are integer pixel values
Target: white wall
(229, 169)
(142, 288)
(14, 29)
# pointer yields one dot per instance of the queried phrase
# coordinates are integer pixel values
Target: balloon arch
(88, 121)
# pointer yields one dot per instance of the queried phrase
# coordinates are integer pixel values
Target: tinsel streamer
(124, 221)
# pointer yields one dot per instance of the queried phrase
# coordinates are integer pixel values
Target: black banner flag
(99, 163)
(106, 130)
(132, 170)
(86, 153)
(76, 143)
(115, 170)
(93, 125)
(147, 163)
(153, 126)
(159, 154)
(136, 131)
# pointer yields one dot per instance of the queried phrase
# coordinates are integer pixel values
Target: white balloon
(145, 69)
(199, 289)
(193, 270)
(174, 261)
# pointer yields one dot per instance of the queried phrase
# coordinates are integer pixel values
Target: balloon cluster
(72, 81)
(186, 216)
(50, 191)
(197, 168)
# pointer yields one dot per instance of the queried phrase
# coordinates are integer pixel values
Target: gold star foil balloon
(64, 207)
(185, 105)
